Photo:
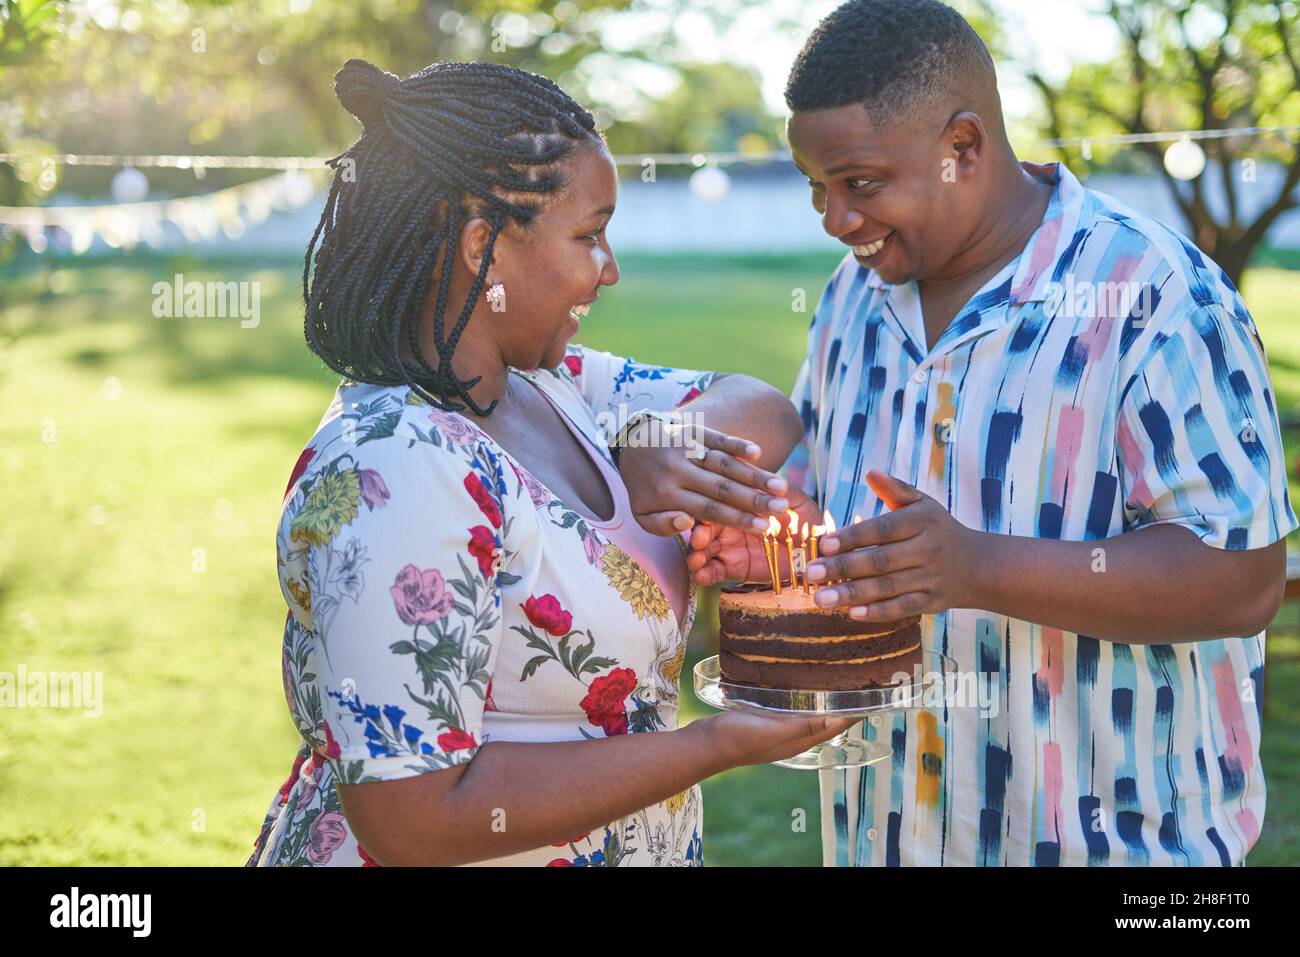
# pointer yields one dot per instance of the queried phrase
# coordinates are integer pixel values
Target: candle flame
(830, 522)
(794, 522)
(804, 532)
(772, 527)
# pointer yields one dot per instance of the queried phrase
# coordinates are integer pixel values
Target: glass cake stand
(929, 686)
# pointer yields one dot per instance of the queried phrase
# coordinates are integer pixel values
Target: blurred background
(143, 458)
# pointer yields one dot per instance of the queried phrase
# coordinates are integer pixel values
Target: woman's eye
(595, 237)
(860, 183)
(814, 185)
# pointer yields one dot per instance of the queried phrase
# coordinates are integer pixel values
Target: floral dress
(441, 597)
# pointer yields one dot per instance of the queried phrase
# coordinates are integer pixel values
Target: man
(1055, 419)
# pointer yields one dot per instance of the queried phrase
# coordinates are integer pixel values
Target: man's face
(883, 193)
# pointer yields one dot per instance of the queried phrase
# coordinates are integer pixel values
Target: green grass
(101, 527)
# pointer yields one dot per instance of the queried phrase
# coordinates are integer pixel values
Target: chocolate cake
(792, 643)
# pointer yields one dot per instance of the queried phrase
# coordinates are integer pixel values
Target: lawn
(144, 461)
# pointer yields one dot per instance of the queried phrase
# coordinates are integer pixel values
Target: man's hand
(719, 553)
(705, 476)
(915, 559)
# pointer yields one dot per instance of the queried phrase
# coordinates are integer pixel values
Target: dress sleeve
(1198, 437)
(403, 548)
(615, 387)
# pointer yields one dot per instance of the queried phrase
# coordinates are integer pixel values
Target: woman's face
(553, 268)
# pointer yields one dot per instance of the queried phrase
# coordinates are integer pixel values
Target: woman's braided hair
(453, 141)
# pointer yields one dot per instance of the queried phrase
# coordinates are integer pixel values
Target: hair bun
(362, 88)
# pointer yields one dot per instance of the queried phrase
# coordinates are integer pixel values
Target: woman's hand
(697, 473)
(916, 559)
(737, 738)
(720, 553)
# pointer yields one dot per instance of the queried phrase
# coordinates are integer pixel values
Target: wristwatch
(636, 418)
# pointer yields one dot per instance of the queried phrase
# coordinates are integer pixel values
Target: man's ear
(968, 139)
(473, 243)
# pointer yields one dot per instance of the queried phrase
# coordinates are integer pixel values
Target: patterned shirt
(441, 597)
(1107, 379)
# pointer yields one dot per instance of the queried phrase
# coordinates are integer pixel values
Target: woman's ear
(473, 244)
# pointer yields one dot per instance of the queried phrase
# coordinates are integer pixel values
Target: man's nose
(841, 220)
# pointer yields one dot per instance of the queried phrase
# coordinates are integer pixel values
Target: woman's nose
(609, 275)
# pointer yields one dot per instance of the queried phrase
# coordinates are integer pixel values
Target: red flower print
(574, 365)
(483, 546)
(572, 840)
(328, 832)
(560, 862)
(366, 859)
(331, 746)
(546, 613)
(694, 393)
(456, 740)
(421, 597)
(488, 703)
(373, 490)
(478, 491)
(604, 701)
(299, 467)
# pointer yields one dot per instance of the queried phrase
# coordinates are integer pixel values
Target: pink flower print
(456, 740)
(453, 427)
(536, 491)
(421, 597)
(573, 364)
(328, 832)
(373, 490)
(595, 550)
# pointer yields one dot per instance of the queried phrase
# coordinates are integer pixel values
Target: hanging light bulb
(710, 184)
(129, 185)
(1185, 159)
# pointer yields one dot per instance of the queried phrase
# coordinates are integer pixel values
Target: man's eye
(860, 183)
(815, 185)
(595, 237)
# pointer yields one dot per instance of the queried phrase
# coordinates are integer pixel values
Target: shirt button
(918, 376)
(872, 834)
(875, 720)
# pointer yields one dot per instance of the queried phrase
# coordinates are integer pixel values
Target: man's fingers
(890, 527)
(870, 591)
(867, 562)
(904, 606)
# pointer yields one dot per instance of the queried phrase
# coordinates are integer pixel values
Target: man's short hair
(892, 56)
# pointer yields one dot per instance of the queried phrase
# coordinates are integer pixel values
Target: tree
(1209, 64)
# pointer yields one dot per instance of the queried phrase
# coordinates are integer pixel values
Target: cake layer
(745, 612)
(765, 672)
(821, 647)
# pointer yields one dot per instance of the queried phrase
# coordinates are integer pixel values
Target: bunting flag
(227, 212)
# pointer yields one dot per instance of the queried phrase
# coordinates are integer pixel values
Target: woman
(487, 619)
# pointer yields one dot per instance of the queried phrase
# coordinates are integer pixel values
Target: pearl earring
(496, 295)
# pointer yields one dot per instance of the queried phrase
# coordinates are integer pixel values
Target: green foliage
(213, 415)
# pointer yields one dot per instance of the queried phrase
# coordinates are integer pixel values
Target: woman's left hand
(915, 559)
(706, 475)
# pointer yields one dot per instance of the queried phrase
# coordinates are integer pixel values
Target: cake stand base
(838, 752)
(932, 687)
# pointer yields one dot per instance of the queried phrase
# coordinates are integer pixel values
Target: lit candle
(803, 556)
(772, 529)
(771, 566)
(789, 547)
